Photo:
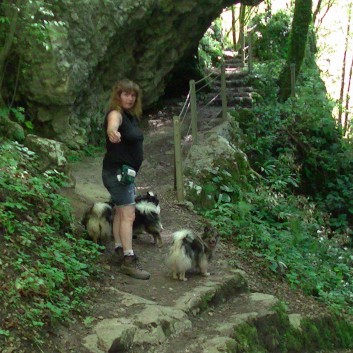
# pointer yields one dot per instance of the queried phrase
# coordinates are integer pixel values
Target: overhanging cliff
(94, 43)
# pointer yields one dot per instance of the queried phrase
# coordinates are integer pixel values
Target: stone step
(256, 322)
(150, 324)
(237, 82)
(241, 100)
(235, 86)
(217, 324)
(233, 61)
(233, 75)
(234, 91)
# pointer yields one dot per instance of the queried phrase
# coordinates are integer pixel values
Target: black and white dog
(98, 219)
(148, 217)
(192, 251)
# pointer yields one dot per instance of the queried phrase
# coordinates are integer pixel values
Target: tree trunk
(234, 33)
(11, 12)
(317, 22)
(298, 39)
(346, 120)
(242, 31)
(343, 70)
(317, 10)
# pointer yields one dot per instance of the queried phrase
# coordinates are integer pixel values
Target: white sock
(129, 253)
(118, 245)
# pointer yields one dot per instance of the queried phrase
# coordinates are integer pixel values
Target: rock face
(94, 43)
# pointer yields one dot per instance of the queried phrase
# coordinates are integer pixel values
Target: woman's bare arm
(114, 121)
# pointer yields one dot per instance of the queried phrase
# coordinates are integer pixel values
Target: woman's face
(128, 100)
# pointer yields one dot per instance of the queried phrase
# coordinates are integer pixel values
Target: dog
(147, 217)
(98, 221)
(192, 251)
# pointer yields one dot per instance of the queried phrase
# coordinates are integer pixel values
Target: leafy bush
(270, 36)
(292, 235)
(210, 50)
(305, 130)
(297, 216)
(43, 268)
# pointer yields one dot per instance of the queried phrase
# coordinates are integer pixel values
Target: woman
(122, 161)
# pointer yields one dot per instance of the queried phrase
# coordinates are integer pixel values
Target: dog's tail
(182, 236)
(98, 221)
(178, 259)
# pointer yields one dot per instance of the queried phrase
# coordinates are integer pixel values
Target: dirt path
(157, 174)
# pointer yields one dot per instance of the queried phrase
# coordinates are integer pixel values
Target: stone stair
(216, 325)
(151, 324)
(239, 92)
(221, 315)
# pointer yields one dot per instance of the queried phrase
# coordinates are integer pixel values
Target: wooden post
(177, 159)
(193, 111)
(223, 92)
(292, 79)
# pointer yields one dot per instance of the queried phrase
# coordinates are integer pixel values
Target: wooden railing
(191, 102)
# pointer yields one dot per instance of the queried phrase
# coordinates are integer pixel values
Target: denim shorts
(122, 195)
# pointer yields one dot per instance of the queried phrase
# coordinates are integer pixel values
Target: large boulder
(66, 82)
(212, 166)
(51, 153)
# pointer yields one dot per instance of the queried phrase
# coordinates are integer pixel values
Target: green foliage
(210, 49)
(270, 37)
(18, 115)
(296, 217)
(30, 22)
(220, 184)
(303, 133)
(278, 335)
(44, 268)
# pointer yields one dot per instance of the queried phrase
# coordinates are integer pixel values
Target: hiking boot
(119, 252)
(132, 268)
(117, 256)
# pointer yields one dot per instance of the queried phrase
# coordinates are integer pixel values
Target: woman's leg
(123, 223)
(123, 220)
(130, 265)
(116, 227)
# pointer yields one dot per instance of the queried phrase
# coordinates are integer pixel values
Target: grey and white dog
(98, 219)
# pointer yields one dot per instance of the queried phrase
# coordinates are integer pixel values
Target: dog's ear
(209, 229)
(139, 198)
(151, 194)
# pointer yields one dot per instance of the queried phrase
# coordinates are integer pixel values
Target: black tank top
(130, 150)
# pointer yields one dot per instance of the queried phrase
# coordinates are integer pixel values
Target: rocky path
(162, 315)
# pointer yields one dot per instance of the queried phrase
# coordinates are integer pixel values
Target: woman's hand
(114, 136)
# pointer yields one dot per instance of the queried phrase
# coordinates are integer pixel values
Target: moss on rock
(274, 333)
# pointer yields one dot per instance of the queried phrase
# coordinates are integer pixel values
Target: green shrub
(44, 268)
(210, 50)
(296, 217)
(270, 36)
